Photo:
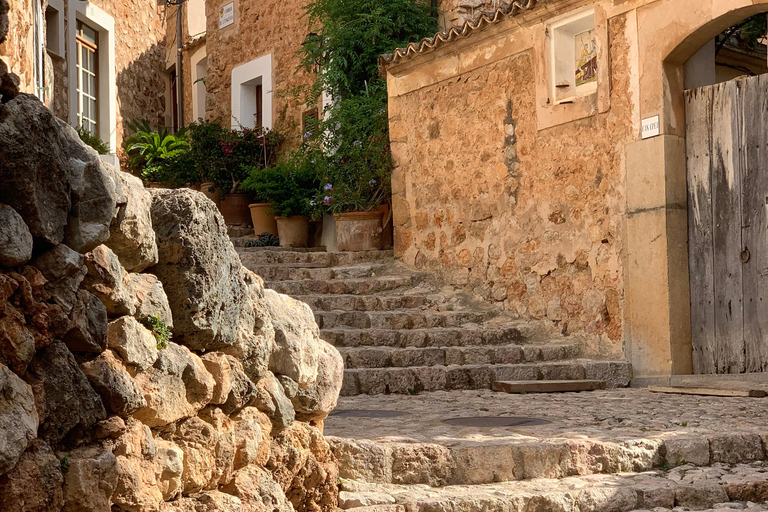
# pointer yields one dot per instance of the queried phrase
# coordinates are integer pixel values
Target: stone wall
(528, 218)
(260, 28)
(97, 411)
(18, 49)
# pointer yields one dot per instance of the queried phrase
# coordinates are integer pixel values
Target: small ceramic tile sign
(226, 15)
(651, 127)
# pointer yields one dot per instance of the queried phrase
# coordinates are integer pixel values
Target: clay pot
(213, 195)
(195, 186)
(234, 209)
(386, 225)
(359, 231)
(293, 231)
(263, 221)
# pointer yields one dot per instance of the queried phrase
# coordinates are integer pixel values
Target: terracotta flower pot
(234, 208)
(213, 195)
(293, 231)
(263, 221)
(359, 231)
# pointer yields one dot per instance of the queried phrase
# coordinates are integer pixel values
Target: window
(309, 120)
(259, 115)
(573, 57)
(199, 67)
(38, 34)
(54, 28)
(252, 94)
(87, 79)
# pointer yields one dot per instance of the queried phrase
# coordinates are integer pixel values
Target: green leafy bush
(92, 140)
(161, 331)
(290, 186)
(150, 153)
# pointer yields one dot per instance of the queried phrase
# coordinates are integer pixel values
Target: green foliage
(749, 33)
(92, 140)
(64, 464)
(264, 240)
(289, 186)
(161, 331)
(354, 33)
(152, 155)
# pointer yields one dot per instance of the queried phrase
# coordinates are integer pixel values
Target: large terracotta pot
(263, 221)
(213, 195)
(293, 231)
(234, 208)
(359, 231)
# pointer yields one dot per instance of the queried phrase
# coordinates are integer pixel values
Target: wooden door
(726, 144)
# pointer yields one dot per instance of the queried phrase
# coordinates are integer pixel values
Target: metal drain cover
(367, 413)
(495, 421)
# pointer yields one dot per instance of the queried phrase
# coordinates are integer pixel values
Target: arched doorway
(726, 131)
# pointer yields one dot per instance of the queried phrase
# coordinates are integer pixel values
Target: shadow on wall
(141, 91)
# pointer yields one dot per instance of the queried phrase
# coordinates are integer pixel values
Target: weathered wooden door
(727, 148)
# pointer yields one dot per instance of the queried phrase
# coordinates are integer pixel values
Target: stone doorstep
(412, 380)
(363, 302)
(297, 271)
(387, 357)
(593, 493)
(405, 319)
(365, 286)
(271, 256)
(506, 460)
(437, 337)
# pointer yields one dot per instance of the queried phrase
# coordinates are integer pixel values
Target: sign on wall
(651, 127)
(226, 15)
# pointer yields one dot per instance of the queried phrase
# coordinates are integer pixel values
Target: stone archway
(657, 299)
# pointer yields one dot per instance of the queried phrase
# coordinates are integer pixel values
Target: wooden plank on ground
(700, 224)
(754, 215)
(753, 393)
(726, 206)
(547, 386)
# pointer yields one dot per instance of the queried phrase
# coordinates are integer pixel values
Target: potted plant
(207, 155)
(358, 173)
(150, 153)
(289, 187)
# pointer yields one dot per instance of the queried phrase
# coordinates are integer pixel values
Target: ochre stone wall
(529, 219)
(260, 28)
(18, 49)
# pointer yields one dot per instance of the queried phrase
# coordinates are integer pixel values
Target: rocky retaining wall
(96, 413)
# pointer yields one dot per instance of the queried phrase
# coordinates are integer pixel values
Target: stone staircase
(399, 331)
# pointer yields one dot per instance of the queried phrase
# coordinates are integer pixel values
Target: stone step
(437, 337)
(687, 488)
(386, 357)
(547, 386)
(363, 302)
(411, 380)
(299, 271)
(406, 319)
(365, 286)
(272, 256)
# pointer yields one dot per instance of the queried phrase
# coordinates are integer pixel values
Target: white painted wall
(245, 78)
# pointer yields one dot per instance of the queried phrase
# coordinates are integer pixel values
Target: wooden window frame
(80, 43)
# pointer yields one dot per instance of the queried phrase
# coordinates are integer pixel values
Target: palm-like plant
(150, 149)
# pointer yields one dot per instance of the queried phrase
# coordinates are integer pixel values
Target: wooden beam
(753, 393)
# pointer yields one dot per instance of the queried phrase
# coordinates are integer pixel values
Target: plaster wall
(560, 213)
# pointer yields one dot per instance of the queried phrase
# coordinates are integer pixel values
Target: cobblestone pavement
(610, 415)
(719, 487)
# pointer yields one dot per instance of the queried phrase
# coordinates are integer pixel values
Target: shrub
(290, 186)
(151, 153)
(161, 331)
(92, 140)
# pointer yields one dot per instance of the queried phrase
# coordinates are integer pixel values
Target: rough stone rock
(131, 235)
(270, 399)
(176, 387)
(88, 332)
(208, 453)
(137, 489)
(302, 463)
(169, 468)
(34, 484)
(90, 480)
(349, 500)
(735, 448)
(3, 19)
(139, 295)
(64, 269)
(297, 339)
(252, 441)
(135, 344)
(18, 418)
(221, 371)
(256, 486)
(703, 495)
(111, 428)
(242, 391)
(316, 402)
(17, 343)
(211, 501)
(687, 450)
(150, 298)
(15, 238)
(63, 397)
(107, 279)
(200, 271)
(117, 388)
(9, 82)
(225, 445)
(35, 171)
